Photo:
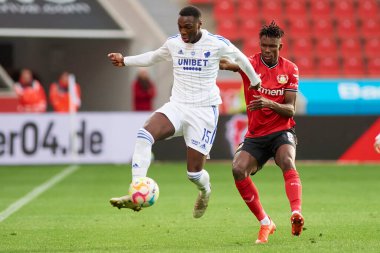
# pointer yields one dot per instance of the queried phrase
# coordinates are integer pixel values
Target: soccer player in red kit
(271, 132)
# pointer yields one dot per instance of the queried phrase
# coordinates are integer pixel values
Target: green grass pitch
(341, 206)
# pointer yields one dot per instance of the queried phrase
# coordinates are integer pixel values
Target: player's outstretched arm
(226, 64)
(116, 59)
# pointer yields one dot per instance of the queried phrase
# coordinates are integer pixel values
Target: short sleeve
(293, 77)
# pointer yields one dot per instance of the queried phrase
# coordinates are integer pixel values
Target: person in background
(59, 95)
(31, 95)
(144, 92)
(377, 143)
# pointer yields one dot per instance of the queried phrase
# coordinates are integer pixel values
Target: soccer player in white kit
(192, 111)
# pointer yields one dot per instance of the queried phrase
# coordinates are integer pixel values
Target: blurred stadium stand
(339, 37)
(78, 40)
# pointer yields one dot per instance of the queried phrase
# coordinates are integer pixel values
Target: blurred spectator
(377, 143)
(59, 94)
(144, 92)
(31, 95)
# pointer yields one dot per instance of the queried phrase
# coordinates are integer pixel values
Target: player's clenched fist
(117, 59)
(377, 144)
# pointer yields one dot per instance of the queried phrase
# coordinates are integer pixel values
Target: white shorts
(196, 124)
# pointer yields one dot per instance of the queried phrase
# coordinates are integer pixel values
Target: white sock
(201, 179)
(143, 153)
(296, 211)
(265, 221)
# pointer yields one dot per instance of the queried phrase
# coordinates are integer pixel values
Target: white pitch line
(36, 192)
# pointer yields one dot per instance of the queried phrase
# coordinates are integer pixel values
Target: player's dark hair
(190, 11)
(272, 31)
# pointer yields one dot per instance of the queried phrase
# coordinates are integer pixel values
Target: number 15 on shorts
(208, 136)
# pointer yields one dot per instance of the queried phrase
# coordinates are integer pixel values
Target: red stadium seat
(347, 27)
(224, 9)
(326, 46)
(272, 10)
(228, 28)
(373, 66)
(295, 8)
(353, 67)
(251, 46)
(343, 8)
(323, 27)
(248, 9)
(370, 27)
(299, 28)
(306, 66)
(372, 46)
(351, 47)
(320, 8)
(302, 46)
(329, 66)
(250, 28)
(368, 9)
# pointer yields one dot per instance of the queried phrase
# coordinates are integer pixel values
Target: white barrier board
(60, 138)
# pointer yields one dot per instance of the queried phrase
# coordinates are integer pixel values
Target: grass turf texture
(340, 204)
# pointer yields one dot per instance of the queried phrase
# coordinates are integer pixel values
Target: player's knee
(288, 163)
(239, 172)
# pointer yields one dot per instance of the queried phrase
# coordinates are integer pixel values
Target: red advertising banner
(362, 149)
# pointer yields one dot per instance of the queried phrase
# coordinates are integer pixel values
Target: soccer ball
(144, 191)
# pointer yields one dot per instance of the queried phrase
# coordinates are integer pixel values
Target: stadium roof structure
(61, 19)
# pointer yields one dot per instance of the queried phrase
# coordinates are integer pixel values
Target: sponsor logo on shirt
(192, 62)
(180, 51)
(271, 92)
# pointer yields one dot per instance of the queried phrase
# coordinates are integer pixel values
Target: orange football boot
(265, 231)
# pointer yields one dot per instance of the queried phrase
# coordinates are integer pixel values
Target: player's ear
(200, 22)
(280, 47)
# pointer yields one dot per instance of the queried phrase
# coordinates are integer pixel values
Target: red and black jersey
(276, 80)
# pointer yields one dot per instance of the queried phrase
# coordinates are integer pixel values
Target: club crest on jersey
(193, 53)
(207, 54)
(282, 79)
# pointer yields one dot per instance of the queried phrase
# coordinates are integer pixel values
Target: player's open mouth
(185, 39)
(267, 57)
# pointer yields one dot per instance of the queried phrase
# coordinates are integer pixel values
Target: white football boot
(124, 202)
(201, 204)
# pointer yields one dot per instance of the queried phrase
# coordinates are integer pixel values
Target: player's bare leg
(201, 178)
(124, 202)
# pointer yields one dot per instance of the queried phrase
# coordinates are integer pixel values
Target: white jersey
(195, 67)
